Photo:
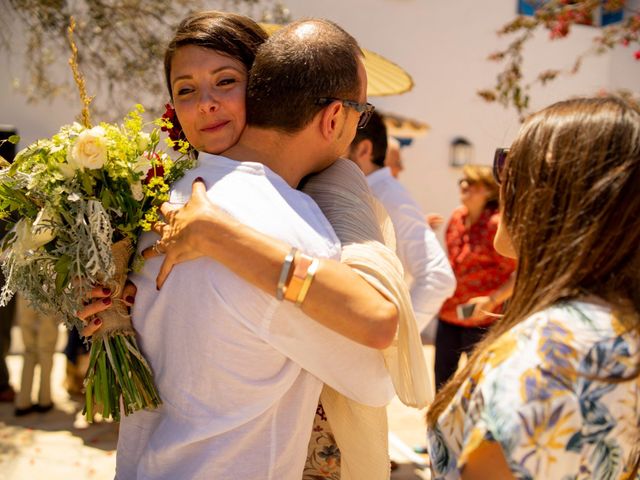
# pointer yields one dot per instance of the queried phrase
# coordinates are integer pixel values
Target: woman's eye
(226, 81)
(184, 90)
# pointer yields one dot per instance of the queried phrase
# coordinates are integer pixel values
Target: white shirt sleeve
(352, 369)
(431, 278)
(426, 262)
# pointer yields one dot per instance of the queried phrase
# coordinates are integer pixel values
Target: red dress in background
(478, 268)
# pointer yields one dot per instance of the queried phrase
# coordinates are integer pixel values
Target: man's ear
(362, 154)
(331, 119)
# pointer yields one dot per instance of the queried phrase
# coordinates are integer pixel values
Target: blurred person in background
(7, 313)
(39, 334)
(484, 277)
(427, 270)
(393, 159)
(7, 394)
(77, 353)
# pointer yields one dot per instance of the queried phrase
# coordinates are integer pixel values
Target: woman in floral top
(553, 392)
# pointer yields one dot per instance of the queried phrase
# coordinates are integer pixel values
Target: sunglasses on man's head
(364, 109)
(499, 159)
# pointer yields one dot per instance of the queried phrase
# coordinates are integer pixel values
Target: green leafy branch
(557, 17)
(120, 43)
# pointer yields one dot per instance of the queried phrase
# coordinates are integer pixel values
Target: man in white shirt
(240, 372)
(427, 269)
(393, 159)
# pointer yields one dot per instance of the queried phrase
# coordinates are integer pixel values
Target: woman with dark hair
(206, 67)
(484, 277)
(226, 43)
(553, 390)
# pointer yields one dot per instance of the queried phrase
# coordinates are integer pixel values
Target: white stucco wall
(444, 46)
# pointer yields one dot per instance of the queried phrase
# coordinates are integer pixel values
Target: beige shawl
(368, 246)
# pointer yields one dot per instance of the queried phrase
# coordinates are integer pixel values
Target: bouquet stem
(117, 368)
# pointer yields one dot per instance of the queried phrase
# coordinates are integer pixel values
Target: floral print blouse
(547, 395)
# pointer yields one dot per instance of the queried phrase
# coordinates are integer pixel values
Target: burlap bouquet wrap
(117, 319)
(118, 374)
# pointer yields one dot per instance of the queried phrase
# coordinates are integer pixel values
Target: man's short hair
(376, 132)
(296, 67)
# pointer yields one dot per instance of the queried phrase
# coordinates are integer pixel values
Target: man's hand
(434, 220)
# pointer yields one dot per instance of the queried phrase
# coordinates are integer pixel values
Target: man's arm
(338, 298)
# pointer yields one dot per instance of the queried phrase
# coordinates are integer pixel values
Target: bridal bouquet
(77, 203)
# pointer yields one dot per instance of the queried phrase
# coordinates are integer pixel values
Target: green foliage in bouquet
(70, 199)
(76, 204)
(85, 188)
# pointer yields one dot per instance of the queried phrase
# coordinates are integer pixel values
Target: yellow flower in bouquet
(76, 204)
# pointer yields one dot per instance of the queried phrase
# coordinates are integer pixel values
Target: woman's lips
(212, 127)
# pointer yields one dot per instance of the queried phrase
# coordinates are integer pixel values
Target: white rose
(136, 191)
(89, 150)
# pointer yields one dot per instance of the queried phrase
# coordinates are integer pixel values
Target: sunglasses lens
(498, 163)
(365, 116)
(363, 120)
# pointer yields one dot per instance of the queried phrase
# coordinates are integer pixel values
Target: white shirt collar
(257, 168)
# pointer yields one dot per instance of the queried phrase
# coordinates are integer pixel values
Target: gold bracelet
(284, 273)
(292, 290)
(311, 271)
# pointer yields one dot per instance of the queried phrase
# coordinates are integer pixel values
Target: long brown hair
(571, 204)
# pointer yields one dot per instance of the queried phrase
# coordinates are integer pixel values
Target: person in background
(392, 158)
(7, 394)
(485, 278)
(39, 334)
(77, 353)
(553, 390)
(426, 266)
(7, 313)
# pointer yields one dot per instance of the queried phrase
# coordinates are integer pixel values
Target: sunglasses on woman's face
(466, 181)
(499, 159)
